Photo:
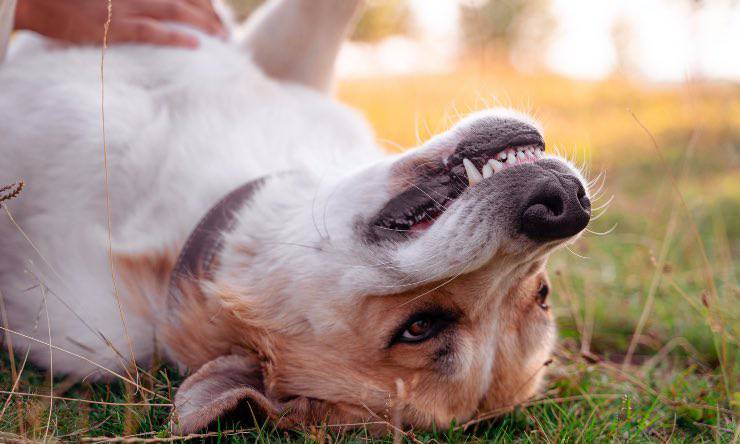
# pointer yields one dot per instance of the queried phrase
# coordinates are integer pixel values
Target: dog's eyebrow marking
(206, 241)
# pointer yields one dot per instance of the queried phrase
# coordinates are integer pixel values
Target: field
(647, 302)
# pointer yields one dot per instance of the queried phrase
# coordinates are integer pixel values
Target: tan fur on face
(527, 335)
(490, 359)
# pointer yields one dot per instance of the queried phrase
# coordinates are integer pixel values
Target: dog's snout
(557, 208)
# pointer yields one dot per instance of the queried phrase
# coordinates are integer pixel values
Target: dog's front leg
(298, 40)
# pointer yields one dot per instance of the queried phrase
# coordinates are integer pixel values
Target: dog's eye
(542, 296)
(423, 326)
(417, 331)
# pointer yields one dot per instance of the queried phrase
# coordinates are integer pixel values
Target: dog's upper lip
(479, 150)
(430, 194)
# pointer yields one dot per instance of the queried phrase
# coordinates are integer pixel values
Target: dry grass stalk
(106, 31)
(11, 191)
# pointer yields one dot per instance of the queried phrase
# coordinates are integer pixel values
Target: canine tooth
(473, 175)
(487, 171)
(496, 165)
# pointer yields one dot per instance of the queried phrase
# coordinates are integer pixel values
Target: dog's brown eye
(417, 329)
(542, 296)
(423, 325)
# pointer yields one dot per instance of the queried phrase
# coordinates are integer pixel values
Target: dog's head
(411, 291)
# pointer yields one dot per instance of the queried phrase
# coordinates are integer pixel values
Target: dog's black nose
(557, 208)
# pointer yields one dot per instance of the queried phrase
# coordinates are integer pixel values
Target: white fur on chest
(183, 128)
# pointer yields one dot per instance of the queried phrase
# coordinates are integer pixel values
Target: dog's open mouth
(416, 208)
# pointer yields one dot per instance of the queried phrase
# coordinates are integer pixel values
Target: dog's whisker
(603, 233)
(313, 208)
(592, 182)
(598, 216)
(438, 204)
(415, 298)
(604, 205)
(602, 182)
(576, 254)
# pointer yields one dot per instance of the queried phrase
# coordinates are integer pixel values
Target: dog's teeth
(511, 159)
(520, 155)
(501, 156)
(474, 175)
(487, 171)
(496, 165)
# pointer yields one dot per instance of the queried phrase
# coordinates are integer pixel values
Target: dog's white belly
(182, 129)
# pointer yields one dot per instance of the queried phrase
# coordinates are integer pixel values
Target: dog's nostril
(585, 203)
(582, 198)
(553, 203)
(556, 209)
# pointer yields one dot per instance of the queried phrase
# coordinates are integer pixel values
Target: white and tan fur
(299, 305)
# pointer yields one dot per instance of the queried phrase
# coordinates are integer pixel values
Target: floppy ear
(225, 383)
(217, 388)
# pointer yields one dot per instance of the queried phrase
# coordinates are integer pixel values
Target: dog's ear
(217, 388)
(229, 383)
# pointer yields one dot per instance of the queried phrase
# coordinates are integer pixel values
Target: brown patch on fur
(197, 331)
(145, 277)
(202, 329)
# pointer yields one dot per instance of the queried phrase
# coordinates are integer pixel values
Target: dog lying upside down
(262, 240)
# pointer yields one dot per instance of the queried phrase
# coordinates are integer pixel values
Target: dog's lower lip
(421, 226)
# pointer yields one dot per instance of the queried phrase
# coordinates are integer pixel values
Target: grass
(668, 259)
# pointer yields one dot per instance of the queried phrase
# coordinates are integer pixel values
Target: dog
(237, 219)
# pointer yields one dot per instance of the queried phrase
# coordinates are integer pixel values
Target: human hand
(82, 21)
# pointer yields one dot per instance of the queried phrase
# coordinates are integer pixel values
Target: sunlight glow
(653, 40)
